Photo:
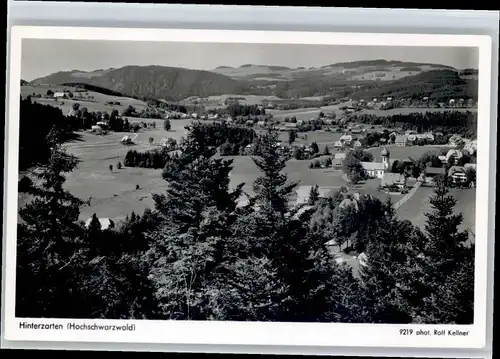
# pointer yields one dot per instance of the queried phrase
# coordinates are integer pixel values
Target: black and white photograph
(247, 182)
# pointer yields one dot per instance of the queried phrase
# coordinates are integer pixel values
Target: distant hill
(94, 88)
(361, 79)
(439, 85)
(169, 83)
(381, 62)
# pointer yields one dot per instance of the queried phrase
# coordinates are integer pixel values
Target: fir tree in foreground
(448, 282)
(188, 255)
(50, 252)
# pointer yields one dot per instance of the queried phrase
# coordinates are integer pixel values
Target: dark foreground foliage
(202, 255)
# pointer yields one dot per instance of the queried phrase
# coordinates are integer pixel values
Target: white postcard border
(251, 333)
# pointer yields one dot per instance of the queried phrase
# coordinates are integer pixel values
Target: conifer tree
(188, 251)
(50, 237)
(313, 195)
(308, 277)
(447, 288)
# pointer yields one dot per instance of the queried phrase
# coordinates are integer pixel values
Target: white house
(471, 146)
(374, 169)
(412, 138)
(59, 95)
(454, 153)
(393, 179)
(401, 140)
(470, 165)
(340, 156)
(346, 138)
(304, 191)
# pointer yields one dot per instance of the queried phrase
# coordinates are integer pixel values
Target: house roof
(373, 166)
(400, 138)
(390, 179)
(340, 156)
(435, 171)
(454, 169)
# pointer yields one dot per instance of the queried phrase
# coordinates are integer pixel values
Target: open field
(408, 110)
(97, 103)
(215, 102)
(245, 171)
(415, 209)
(307, 113)
(113, 192)
(321, 138)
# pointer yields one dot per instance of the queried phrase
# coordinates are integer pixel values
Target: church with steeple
(378, 169)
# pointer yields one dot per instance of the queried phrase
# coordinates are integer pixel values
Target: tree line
(199, 255)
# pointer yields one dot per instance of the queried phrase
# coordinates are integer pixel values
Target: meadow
(98, 101)
(307, 114)
(113, 192)
(416, 207)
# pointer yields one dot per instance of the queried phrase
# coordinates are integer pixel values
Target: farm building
(304, 191)
(346, 139)
(337, 163)
(340, 156)
(357, 144)
(106, 223)
(59, 95)
(96, 129)
(401, 140)
(458, 174)
(471, 166)
(338, 144)
(393, 179)
(456, 154)
(431, 173)
(470, 146)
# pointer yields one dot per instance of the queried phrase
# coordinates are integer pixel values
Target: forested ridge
(199, 255)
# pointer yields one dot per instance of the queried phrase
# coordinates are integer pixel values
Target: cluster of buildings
(410, 138)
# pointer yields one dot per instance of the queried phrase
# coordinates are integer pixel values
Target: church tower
(385, 154)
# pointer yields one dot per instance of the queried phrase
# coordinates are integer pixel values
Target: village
(235, 185)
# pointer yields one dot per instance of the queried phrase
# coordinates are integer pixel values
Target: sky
(42, 57)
